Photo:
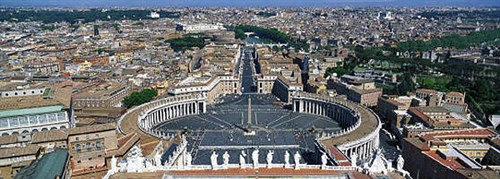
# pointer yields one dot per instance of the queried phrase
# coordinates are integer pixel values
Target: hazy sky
(243, 3)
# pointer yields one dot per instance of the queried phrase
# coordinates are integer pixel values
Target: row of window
(32, 120)
(88, 146)
(79, 161)
(17, 93)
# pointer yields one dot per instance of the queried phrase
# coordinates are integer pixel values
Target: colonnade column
(301, 105)
(294, 105)
(196, 107)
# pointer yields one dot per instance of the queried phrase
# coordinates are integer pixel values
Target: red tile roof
(453, 93)
(426, 91)
(420, 115)
(474, 133)
(451, 163)
(339, 156)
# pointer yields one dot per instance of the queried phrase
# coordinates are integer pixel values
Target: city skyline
(241, 4)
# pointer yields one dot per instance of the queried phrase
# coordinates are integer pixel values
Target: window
(98, 145)
(77, 139)
(79, 161)
(78, 148)
(88, 146)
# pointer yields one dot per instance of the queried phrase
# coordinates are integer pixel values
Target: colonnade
(363, 149)
(159, 111)
(329, 108)
(349, 118)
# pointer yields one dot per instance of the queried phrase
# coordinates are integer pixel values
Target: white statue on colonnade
(324, 160)
(400, 161)
(287, 158)
(296, 158)
(242, 159)
(269, 158)
(213, 160)
(255, 158)
(225, 158)
(354, 159)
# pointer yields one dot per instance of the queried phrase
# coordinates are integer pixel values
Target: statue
(113, 163)
(269, 158)
(400, 161)
(184, 140)
(135, 161)
(242, 159)
(225, 158)
(189, 159)
(287, 159)
(213, 160)
(354, 159)
(324, 160)
(157, 159)
(255, 158)
(296, 158)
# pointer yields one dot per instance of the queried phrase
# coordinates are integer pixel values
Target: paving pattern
(222, 129)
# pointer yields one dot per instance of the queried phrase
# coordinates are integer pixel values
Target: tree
(483, 90)
(138, 98)
(455, 85)
(180, 44)
(406, 85)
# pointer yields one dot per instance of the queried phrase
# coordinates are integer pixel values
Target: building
(384, 77)
(91, 147)
(14, 158)
(43, 66)
(284, 88)
(276, 74)
(101, 95)
(414, 130)
(438, 118)
(454, 98)
(432, 97)
(218, 74)
(51, 140)
(88, 146)
(25, 115)
(393, 109)
(7, 141)
(453, 154)
(212, 87)
(360, 90)
(455, 102)
(196, 28)
(13, 89)
(154, 15)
